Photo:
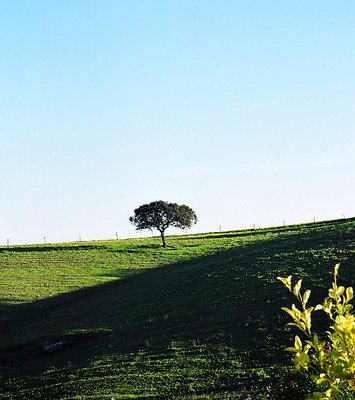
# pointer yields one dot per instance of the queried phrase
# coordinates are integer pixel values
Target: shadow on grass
(138, 248)
(230, 296)
(45, 248)
(275, 229)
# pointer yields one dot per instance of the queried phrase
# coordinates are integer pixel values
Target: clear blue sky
(244, 110)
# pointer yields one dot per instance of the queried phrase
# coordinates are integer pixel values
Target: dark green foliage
(161, 215)
(198, 320)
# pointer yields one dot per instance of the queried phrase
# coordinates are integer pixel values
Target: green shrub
(328, 358)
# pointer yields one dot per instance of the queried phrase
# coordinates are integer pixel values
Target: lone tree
(160, 215)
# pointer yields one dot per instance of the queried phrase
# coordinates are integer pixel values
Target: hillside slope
(128, 319)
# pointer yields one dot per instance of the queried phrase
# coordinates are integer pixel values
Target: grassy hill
(127, 319)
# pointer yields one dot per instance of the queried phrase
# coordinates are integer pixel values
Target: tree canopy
(160, 215)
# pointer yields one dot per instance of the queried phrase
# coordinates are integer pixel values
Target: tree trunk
(163, 238)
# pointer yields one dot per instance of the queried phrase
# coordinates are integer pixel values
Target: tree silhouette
(160, 215)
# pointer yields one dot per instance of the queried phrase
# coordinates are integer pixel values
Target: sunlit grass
(199, 318)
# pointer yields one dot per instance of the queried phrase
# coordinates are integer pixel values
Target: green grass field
(128, 319)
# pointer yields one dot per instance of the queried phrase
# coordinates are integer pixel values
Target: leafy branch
(330, 363)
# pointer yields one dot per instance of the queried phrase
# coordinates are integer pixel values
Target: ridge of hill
(128, 319)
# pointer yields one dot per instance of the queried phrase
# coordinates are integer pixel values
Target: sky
(243, 110)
